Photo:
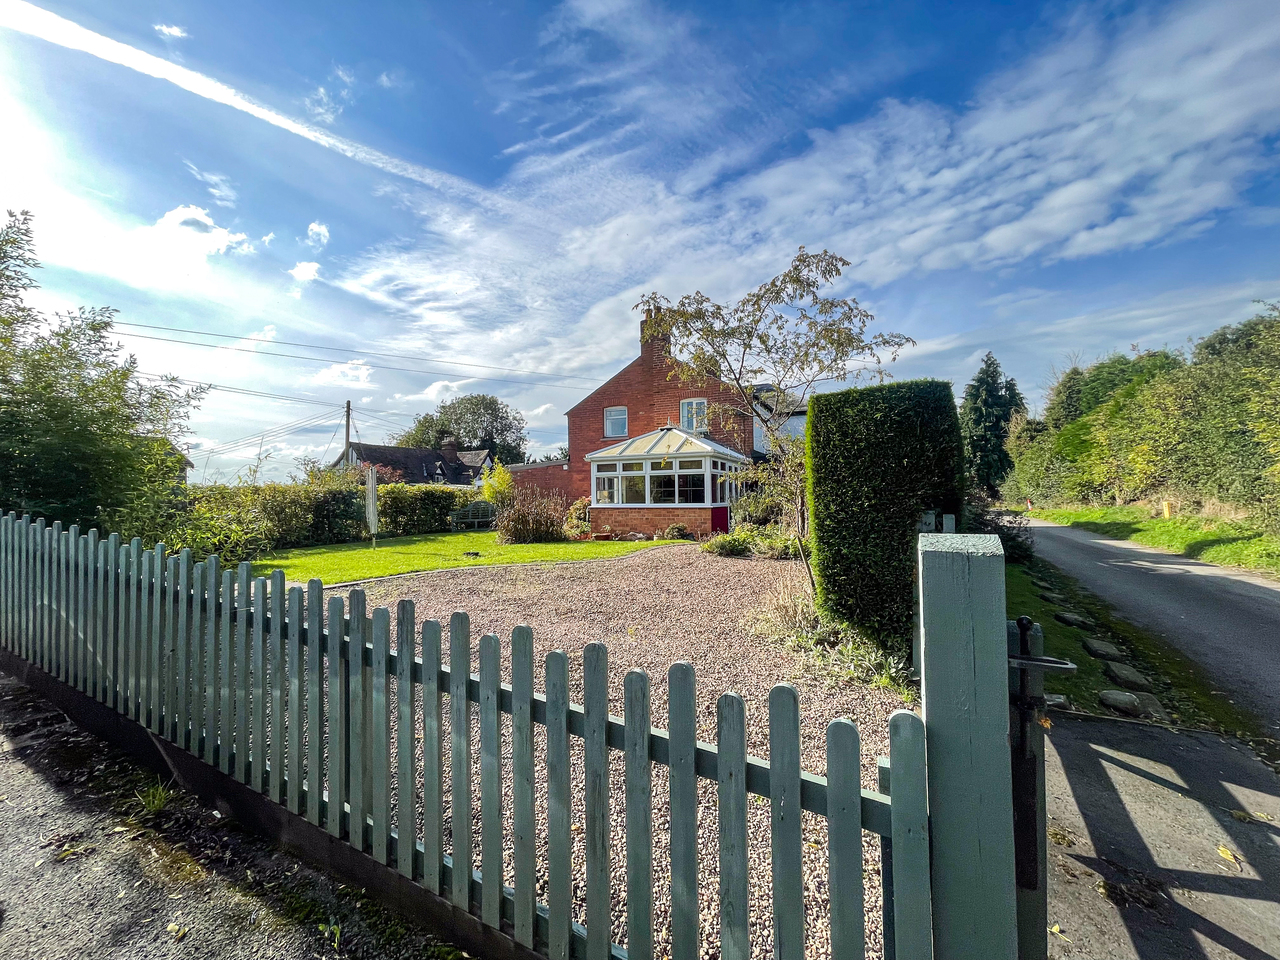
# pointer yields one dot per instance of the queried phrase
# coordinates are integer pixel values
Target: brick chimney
(449, 448)
(655, 344)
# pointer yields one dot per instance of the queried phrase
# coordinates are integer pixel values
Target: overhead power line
(272, 433)
(367, 366)
(223, 388)
(346, 350)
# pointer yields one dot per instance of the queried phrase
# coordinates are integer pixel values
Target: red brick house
(643, 398)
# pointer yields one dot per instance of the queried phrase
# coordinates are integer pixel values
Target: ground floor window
(606, 489)
(633, 489)
(662, 488)
(693, 488)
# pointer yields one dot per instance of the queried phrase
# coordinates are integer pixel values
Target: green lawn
(1186, 692)
(344, 562)
(1229, 544)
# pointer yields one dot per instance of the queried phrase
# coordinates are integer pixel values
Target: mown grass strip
(1213, 541)
(344, 562)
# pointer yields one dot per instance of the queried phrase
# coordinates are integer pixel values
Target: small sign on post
(371, 503)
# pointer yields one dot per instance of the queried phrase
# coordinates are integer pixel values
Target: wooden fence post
(964, 681)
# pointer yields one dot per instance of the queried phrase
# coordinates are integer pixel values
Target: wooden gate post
(965, 690)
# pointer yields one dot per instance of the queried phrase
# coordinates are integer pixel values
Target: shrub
(735, 544)
(531, 516)
(244, 521)
(405, 509)
(775, 544)
(576, 523)
(677, 531)
(497, 486)
(877, 458)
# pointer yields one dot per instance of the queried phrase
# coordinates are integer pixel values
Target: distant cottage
(642, 447)
(421, 464)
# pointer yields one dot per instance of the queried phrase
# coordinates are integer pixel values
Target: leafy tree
(1198, 431)
(1066, 400)
(772, 348)
(480, 421)
(990, 403)
(561, 453)
(497, 486)
(81, 434)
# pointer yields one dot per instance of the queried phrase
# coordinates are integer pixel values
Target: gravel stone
(1122, 701)
(1101, 649)
(1072, 619)
(1152, 708)
(654, 608)
(1126, 676)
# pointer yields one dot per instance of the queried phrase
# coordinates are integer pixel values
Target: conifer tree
(990, 402)
(1066, 400)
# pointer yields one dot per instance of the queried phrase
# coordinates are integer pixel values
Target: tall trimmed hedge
(877, 458)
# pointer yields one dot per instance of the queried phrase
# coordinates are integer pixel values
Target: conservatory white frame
(718, 466)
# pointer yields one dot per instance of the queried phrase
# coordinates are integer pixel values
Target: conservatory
(671, 475)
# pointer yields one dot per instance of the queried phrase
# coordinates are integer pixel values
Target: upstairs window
(693, 415)
(615, 421)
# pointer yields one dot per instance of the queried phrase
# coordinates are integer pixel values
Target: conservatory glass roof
(666, 442)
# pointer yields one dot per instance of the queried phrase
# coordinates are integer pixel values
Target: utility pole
(346, 447)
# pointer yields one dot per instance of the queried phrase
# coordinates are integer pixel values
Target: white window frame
(625, 421)
(729, 471)
(685, 421)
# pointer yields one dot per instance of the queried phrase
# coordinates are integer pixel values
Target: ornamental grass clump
(531, 516)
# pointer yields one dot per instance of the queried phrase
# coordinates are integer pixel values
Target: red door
(719, 519)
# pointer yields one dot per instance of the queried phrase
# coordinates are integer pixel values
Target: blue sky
(496, 184)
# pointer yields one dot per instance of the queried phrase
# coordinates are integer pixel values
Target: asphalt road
(1143, 811)
(1225, 620)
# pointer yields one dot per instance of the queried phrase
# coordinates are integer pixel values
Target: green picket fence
(294, 697)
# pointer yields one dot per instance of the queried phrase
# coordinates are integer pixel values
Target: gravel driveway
(654, 608)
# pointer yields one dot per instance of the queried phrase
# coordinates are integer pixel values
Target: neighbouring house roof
(420, 464)
(764, 394)
(666, 442)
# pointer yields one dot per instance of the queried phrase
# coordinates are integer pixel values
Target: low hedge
(242, 522)
(412, 508)
(877, 458)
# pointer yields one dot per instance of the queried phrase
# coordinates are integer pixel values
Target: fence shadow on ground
(182, 848)
(1156, 805)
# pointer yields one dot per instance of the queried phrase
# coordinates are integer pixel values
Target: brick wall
(650, 520)
(551, 478)
(652, 399)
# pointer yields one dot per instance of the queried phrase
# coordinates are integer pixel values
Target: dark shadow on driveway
(1141, 813)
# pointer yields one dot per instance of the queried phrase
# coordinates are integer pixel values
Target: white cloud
(353, 373)
(392, 80)
(1116, 133)
(317, 235)
(27, 18)
(219, 185)
(304, 271)
(322, 106)
(325, 106)
(266, 241)
(170, 32)
(254, 340)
